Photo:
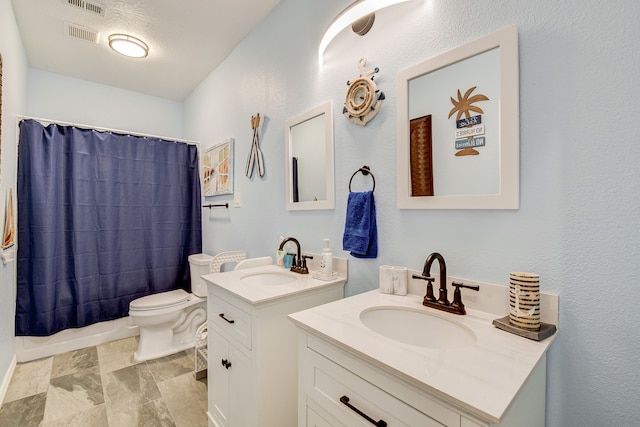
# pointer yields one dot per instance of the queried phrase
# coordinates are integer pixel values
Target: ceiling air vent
(82, 33)
(89, 6)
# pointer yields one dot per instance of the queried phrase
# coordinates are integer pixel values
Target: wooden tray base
(545, 331)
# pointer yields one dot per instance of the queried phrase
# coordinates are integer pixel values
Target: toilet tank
(199, 266)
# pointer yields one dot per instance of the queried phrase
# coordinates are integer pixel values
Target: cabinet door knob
(226, 363)
(379, 423)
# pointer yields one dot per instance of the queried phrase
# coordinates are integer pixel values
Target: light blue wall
(14, 95)
(56, 97)
(578, 224)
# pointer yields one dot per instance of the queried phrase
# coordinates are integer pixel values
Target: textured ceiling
(187, 39)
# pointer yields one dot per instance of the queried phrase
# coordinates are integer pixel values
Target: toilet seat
(159, 301)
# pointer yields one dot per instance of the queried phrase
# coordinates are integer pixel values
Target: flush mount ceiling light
(128, 45)
(359, 14)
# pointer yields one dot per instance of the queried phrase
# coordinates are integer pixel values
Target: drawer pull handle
(226, 363)
(380, 423)
(225, 319)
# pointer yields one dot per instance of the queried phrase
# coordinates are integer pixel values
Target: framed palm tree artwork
(458, 127)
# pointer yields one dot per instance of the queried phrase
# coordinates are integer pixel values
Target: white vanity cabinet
(252, 366)
(337, 389)
(351, 376)
(334, 392)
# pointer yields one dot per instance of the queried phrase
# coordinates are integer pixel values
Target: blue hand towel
(360, 231)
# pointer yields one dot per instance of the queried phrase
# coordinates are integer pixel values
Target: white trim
(30, 348)
(7, 379)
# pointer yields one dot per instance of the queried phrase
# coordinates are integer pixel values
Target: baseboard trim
(7, 379)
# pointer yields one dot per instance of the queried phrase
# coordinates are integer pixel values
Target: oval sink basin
(269, 278)
(417, 328)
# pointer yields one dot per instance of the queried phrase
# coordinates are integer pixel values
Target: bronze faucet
(442, 303)
(300, 262)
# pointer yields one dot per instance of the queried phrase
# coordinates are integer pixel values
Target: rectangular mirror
(309, 160)
(458, 128)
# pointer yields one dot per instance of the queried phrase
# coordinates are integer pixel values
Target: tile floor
(102, 386)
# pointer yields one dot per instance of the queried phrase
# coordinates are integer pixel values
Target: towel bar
(221, 205)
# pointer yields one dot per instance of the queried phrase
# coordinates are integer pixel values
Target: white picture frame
(217, 169)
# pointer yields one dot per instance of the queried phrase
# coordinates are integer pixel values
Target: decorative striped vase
(524, 300)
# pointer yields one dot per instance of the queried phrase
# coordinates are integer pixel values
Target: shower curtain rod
(103, 129)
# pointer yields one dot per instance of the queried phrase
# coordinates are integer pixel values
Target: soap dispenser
(326, 261)
(280, 254)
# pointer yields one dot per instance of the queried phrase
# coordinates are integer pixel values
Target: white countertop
(482, 379)
(259, 294)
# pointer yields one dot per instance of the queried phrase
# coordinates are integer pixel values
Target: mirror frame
(509, 153)
(0, 116)
(329, 203)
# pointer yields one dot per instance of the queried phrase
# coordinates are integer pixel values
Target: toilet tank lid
(200, 259)
(162, 299)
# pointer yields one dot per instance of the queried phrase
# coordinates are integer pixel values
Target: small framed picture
(217, 169)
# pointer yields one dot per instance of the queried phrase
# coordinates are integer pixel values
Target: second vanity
(252, 363)
(355, 370)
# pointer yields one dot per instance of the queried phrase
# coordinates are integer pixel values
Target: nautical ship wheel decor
(364, 99)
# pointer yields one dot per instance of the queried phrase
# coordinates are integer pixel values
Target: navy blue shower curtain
(103, 219)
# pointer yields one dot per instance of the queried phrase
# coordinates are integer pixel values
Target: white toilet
(168, 320)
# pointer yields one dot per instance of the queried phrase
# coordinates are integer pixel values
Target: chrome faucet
(300, 262)
(442, 303)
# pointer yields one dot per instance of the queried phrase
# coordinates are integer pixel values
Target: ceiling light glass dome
(128, 45)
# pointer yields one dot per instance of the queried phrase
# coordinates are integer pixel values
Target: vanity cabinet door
(218, 379)
(229, 384)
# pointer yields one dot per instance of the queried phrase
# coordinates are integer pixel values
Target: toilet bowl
(168, 321)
